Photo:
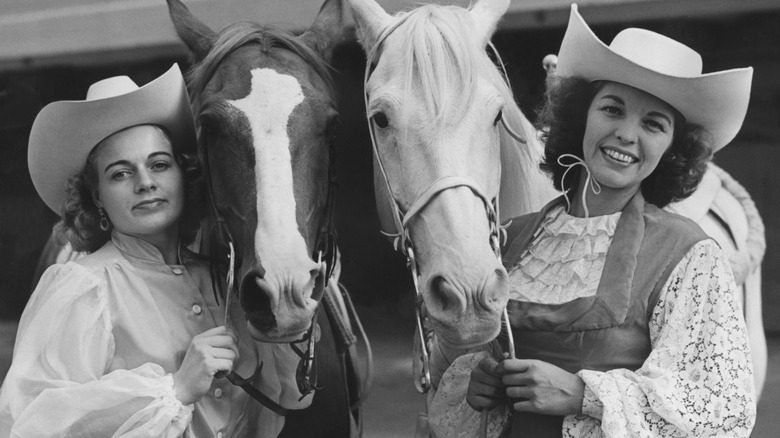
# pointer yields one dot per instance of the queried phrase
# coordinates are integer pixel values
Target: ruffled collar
(138, 249)
(560, 222)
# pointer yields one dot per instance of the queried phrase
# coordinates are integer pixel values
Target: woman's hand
(485, 388)
(540, 387)
(209, 352)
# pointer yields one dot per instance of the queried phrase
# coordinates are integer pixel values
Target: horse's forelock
(238, 34)
(437, 50)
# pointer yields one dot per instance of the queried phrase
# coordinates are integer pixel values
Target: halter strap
(246, 385)
(397, 215)
(440, 185)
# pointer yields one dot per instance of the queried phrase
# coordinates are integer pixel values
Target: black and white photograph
(389, 218)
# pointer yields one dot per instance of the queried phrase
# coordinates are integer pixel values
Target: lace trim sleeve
(698, 379)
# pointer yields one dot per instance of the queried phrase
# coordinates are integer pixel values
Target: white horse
(441, 117)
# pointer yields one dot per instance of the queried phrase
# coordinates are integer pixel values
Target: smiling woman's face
(140, 184)
(627, 132)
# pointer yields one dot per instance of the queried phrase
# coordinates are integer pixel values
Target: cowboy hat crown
(111, 87)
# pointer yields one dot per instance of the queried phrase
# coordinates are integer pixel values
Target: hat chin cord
(589, 181)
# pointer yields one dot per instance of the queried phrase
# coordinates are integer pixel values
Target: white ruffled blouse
(698, 379)
(100, 338)
(565, 260)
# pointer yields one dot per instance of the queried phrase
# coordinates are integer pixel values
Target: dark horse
(266, 113)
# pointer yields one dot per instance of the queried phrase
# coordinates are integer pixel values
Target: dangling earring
(104, 224)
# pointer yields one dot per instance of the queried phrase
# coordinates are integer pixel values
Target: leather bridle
(402, 238)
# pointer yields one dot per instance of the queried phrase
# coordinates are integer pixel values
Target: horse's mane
(524, 187)
(238, 34)
(438, 49)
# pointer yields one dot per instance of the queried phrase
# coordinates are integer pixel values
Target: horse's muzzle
(281, 310)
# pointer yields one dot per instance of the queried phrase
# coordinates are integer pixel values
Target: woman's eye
(120, 175)
(656, 126)
(610, 109)
(381, 120)
(499, 116)
(161, 165)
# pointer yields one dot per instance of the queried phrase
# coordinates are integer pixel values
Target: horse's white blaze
(268, 107)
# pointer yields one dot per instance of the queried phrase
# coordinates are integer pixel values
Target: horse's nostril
(255, 298)
(318, 278)
(443, 293)
(495, 291)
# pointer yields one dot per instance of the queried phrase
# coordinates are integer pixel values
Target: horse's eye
(498, 117)
(381, 120)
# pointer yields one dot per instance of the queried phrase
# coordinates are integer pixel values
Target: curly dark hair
(562, 118)
(80, 217)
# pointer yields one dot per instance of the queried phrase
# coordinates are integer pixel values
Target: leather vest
(610, 329)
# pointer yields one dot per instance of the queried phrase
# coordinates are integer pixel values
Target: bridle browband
(220, 237)
(402, 238)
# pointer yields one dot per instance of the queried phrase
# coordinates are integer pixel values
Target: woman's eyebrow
(154, 154)
(613, 97)
(619, 100)
(127, 163)
(116, 163)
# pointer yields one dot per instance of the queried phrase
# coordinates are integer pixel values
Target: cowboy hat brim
(65, 132)
(716, 101)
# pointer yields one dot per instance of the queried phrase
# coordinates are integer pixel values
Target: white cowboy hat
(664, 68)
(65, 132)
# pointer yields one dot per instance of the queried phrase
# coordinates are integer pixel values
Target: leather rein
(402, 238)
(220, 238)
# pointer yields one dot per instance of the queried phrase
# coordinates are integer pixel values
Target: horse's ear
(486, 14)
(327, 31)
(370, 20)
(195, 34)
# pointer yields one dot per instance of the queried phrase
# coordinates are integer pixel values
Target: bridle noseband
(401, 235)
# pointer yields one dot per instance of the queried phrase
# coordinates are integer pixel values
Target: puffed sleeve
(698, 379)
(57, 386)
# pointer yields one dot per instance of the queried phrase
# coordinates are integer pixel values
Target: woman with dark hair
(127, 340)
(624, 316)
(677, 174)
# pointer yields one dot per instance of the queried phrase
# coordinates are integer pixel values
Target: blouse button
(177, 271)
(197, 309)
(220, 434)
(218, 392)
